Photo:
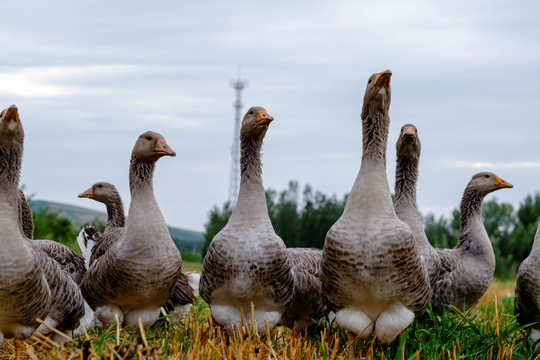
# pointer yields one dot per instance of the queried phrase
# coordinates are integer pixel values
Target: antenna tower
(238, 85)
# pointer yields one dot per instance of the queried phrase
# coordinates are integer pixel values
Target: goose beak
(162, 148)
(408, 132)
(383, 79)
(88, 193)
(501, 184)
(11, 114)
(263, 118)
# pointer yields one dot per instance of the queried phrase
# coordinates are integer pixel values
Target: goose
(467, 270)
(372, 276)
(307, 308)
(137, 273)
(247, 261)
(407, 161)
(527, 300)
(32, 285)
(26, 218)
(186, 289)
(69, 260)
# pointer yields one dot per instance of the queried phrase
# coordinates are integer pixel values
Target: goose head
(151, 146)
(377, 96)
(255, 122)
(100, 191)
(408, 144)
(486, 182)
(10, 125)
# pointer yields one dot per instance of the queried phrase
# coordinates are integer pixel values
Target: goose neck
(405, 185)
(375, 136)
(115, 213)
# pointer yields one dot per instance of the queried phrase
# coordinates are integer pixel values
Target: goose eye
(149, 138)
(251, 112)
(486, 176)
(369, 81)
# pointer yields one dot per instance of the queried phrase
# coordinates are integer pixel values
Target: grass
(488, 331)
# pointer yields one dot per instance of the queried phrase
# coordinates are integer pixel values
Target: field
(489, 331)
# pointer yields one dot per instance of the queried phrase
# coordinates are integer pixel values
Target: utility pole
(238, 85)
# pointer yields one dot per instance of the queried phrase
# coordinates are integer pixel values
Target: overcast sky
(89, 77)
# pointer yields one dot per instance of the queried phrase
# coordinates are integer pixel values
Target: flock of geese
(376, 273)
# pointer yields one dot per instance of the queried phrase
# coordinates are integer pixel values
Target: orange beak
(383, 79)
(500, 183)
(162, 148)
(263, 118)
(11, 114)
(88, 193)
(408, 130)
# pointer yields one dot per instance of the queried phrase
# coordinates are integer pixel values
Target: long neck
(115, 212)
(375, 126)
(251, 197)
(10, 165)
(473, 237)
(371, 184)
(405, 185)
(536, 244)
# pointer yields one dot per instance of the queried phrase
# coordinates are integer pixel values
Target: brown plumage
(307, 307)
(138, 272)
(183, 295)
(247, 261)
(31, 284)
(467, 270)
(407, 162)
(372, 273)
(69, 260)
(527, 300)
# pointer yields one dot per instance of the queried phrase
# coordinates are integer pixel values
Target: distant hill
(185, 240)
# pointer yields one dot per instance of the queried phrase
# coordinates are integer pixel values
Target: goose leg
(352, 345)
(19, 347)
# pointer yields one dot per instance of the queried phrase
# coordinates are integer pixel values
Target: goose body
(247, 262)
(372, 273)
(407, 161)
(137, 273)
(467, 270)
(94, 245)
(32, 285)
(307, 307)
(527, 300)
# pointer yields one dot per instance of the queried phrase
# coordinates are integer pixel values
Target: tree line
(302, 220)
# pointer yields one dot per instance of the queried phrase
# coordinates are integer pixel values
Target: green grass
(488, 331)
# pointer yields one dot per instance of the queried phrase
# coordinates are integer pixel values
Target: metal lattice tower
(238, 85)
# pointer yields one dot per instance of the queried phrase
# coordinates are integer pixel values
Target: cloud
(493, 165)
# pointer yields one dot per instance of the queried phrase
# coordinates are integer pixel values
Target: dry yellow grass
(198, 338)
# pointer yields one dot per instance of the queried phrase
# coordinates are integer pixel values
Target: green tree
(217, 220)
(50, 225)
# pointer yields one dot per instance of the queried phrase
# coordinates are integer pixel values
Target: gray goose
(137, 274)
(247, 262)
(407, 162)
(32, 285)
(373, 277)
(527, 300)
(307, 307)
(69, 260)
(467, 270)
(186, 289)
